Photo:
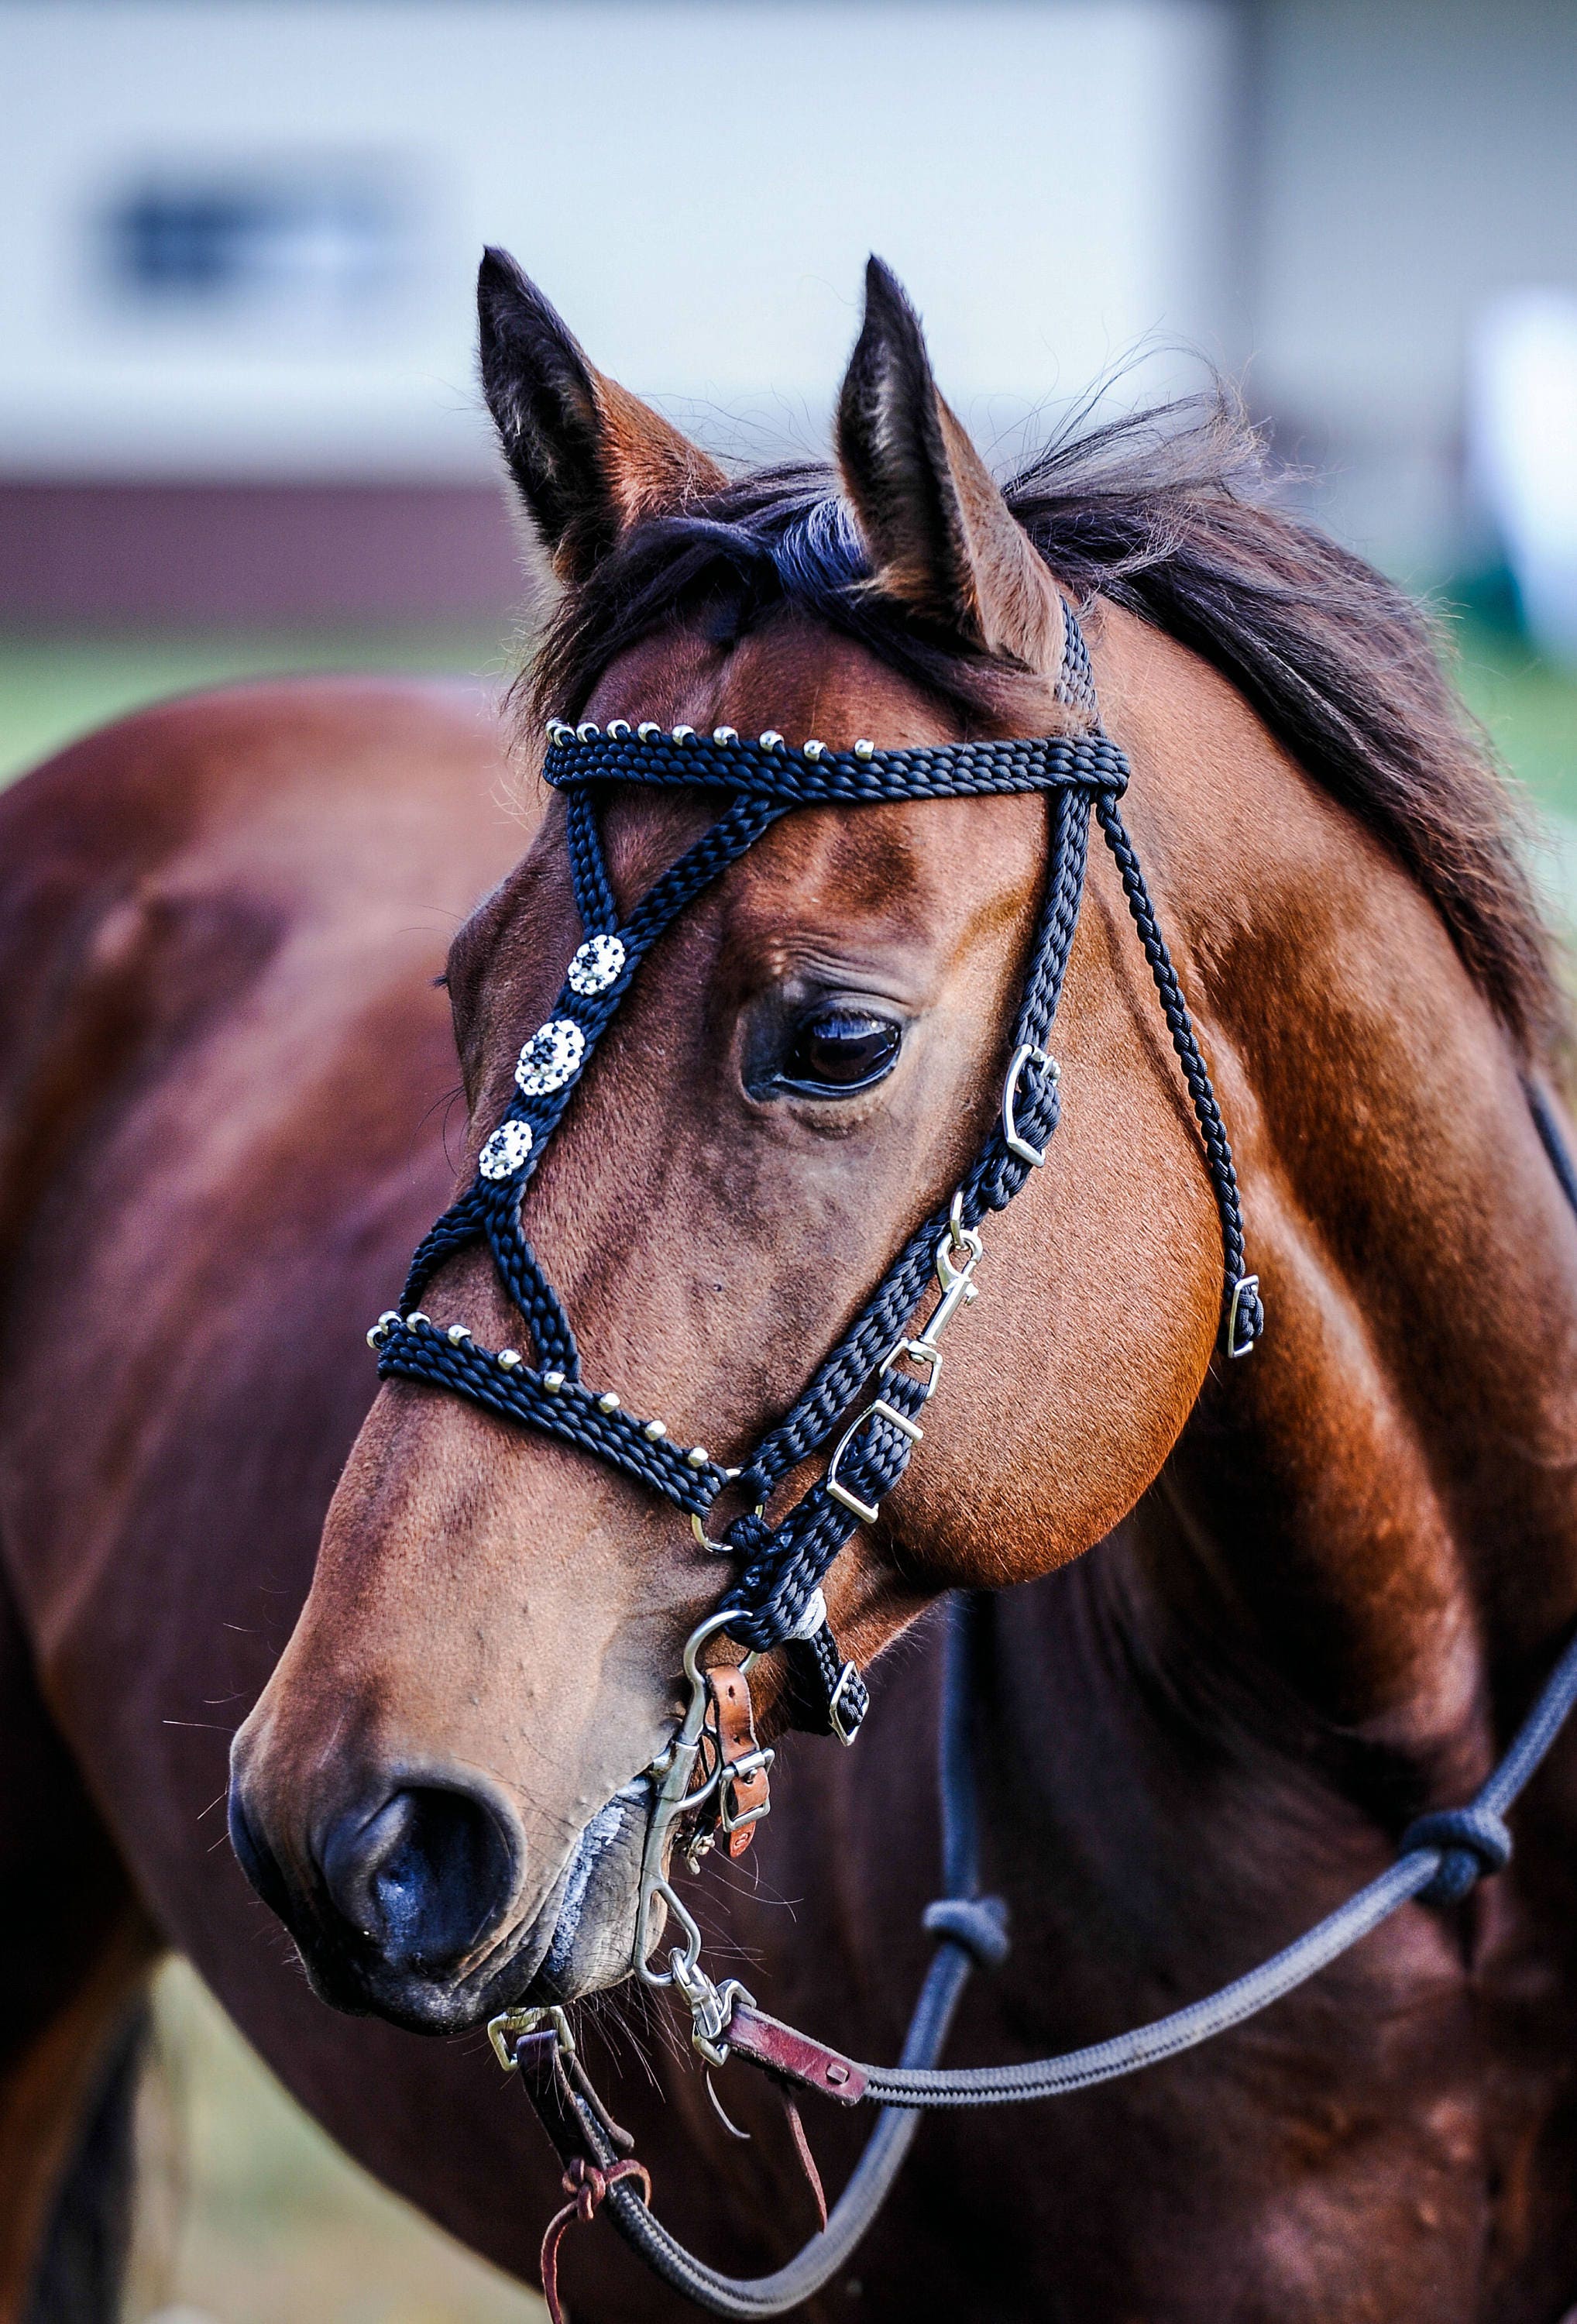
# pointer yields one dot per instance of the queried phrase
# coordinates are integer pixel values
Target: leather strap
(784, 2050)
(744, 1794)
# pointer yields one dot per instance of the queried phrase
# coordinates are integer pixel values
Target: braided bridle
(775, 1598)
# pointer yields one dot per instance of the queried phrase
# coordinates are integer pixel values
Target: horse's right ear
(943, 541)
(588, 457)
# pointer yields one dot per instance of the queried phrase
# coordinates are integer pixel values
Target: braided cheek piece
(782, 1565)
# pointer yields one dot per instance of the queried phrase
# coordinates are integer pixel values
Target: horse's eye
(838, 1050)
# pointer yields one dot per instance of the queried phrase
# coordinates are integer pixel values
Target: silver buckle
(740, 1771)
(834, 1716)
(1240, 1289)
(1025, 1055)
(866, 1511)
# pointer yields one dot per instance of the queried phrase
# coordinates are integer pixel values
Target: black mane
(1167, 514)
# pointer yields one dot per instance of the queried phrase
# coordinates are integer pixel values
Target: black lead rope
(781, 1562)
(773, 1599)
(1440, 1857)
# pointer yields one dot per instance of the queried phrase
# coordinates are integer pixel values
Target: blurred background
(239, 431)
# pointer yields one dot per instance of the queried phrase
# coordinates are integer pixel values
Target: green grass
(52, 689)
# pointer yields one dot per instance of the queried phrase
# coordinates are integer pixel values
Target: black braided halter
(776, 1597)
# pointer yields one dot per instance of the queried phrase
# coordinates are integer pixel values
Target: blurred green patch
(248, 2214)
(53, 690)
(1528, 709)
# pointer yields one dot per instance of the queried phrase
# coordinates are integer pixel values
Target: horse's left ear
(941, 539)
(588, 457)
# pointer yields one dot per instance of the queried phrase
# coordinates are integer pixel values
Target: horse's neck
(1380, 1506)
(1362, 1553)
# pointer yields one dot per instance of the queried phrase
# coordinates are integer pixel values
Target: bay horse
(1247, 1619)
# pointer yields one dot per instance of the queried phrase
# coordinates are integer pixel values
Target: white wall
(695, 184)
(1414, 158)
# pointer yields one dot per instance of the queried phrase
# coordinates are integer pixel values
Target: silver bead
(863, 750)
(551, 1057)
(375, 1336)
(618, 730)
(815, 751)
(771, 740)
(557, 730)
(553, 1382)
(724, 734)
(416, 1316)
(684, 733)
(457, 1332)
(647, 729)
(698, 1456)
(509, 1359)
(609, 1403)
(653, 1430)
(597, 963)
(588, 731)
(505, 1151)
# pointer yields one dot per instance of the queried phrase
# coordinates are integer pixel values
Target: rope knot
(978, 1923)
(749, 1535)
(1471, 1842)
(586, 2187)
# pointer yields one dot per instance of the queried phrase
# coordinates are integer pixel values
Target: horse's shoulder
(166, 775)
(151, 871)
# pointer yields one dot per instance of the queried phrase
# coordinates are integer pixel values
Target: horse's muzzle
(403, 1901)
(406, 1902)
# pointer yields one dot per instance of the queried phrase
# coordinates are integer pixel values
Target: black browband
(876, 1381)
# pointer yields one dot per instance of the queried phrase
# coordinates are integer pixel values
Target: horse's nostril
(423, 1877)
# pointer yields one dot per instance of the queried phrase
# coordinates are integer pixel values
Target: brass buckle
(507, 2028)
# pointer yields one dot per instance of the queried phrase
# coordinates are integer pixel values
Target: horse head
(443, 1789)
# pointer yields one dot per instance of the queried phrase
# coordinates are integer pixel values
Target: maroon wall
(154, 555)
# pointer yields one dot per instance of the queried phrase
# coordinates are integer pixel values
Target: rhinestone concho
(505, 1151)
(599, 961)
(551, 1057)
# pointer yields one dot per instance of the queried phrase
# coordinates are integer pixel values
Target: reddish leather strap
(586, 2185)
(783, 2050)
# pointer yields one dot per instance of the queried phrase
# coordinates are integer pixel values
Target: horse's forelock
(1171, 514)
(781, 536)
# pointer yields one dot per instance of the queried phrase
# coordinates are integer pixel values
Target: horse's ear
(589, 458)
(941, 539)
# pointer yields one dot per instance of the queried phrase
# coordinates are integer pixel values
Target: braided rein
(873, 1383)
